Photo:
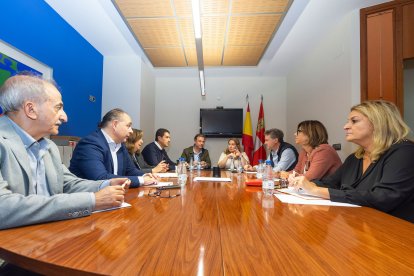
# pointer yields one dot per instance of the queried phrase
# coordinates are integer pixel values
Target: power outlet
(337, 146)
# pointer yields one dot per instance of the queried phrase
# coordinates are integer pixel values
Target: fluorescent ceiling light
(195, 4)
(202, 84)
(196, 18)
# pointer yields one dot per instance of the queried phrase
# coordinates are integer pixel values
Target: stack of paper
(212, 179)
(166, 175)
(160, 184)
(123, 205)
(291, 196)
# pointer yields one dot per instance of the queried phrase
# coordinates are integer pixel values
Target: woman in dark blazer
(133, 145)
(379, 174)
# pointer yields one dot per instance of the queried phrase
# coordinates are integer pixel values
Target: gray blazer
(19, 204)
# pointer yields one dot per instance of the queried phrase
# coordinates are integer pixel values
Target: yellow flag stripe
(248, 125)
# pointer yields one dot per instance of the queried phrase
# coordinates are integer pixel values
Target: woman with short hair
(317, 159)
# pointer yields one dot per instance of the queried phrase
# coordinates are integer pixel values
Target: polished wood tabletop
(216, 228)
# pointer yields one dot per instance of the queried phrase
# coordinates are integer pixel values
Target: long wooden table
(216, 228)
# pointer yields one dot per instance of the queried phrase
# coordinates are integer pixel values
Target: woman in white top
(233, 154)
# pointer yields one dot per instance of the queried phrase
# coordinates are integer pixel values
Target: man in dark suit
(197, 152)
(103, 155)
(155, 152)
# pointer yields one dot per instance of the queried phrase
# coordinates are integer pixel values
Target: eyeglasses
(163, 193)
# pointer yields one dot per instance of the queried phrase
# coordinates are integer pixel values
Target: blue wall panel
(36, 29)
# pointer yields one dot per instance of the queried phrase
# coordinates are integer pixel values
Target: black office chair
(7, 269)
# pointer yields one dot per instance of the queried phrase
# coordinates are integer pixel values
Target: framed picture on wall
(13, 61)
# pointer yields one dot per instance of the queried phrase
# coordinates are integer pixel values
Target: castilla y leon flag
(247, 138)
(259, 150)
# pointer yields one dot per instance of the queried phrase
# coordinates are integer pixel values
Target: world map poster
(10, 67)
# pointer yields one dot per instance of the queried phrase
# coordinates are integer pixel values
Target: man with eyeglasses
(282, 155)
(103, 155)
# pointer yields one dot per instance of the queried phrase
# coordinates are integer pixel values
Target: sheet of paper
(292, 191)
(212, 179)
(285, 198)
(165, 175)
(160, 184)
(123, 205)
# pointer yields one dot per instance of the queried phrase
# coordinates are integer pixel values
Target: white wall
(326, 84)
(147, 103)
(122, 85)
(178, 102)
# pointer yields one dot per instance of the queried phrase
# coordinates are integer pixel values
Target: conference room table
(216, 228)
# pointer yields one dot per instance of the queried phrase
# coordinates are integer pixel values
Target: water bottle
(182, 172)
(198, 165)
(239, 166)
(259, 169)
(191, 166)
(231, 164)
(268, 184)
(176, 165)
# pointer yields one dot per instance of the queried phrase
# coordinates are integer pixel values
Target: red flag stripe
(260, 152)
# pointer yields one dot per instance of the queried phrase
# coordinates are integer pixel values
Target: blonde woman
(379, 174)
(233, 154)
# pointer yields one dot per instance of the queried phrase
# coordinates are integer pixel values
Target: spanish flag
(247, 138)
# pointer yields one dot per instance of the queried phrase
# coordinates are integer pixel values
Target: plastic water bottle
(259, 169)
(198, 165)
(182, 172)
(191, 165)
(239, 166)
(231, 164)
(268, 184)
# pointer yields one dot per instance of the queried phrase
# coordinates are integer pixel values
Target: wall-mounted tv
(221, 122)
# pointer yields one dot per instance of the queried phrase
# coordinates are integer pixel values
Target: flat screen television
(221, 122)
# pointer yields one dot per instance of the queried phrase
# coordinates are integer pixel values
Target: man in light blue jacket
(35, 186)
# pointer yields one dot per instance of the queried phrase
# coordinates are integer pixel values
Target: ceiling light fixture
(196, 18)
(202, 83)
(199, 43)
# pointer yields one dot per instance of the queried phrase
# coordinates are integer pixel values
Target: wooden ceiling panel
(238, 37)
(242, 55)
(258, 6)
(187, 31)
(159, 32)
(145, 8)
(214, 30)
(191, 55)
(212, 56)
(251, 30)
(166, 57)
(214, 7)
(183, 8)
